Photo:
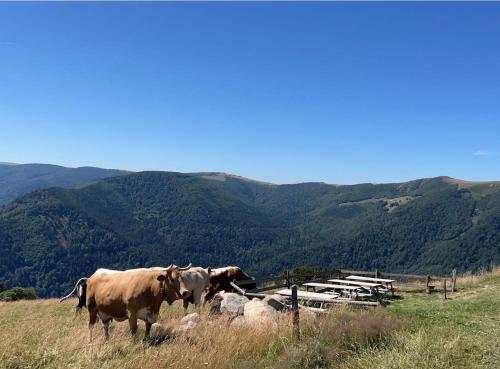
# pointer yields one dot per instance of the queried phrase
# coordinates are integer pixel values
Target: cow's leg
(105, 324)
(148, 330)
(185, 303)
(197, 299)
(208, 296)
(91, 326)
(92, 321)
(132, 321)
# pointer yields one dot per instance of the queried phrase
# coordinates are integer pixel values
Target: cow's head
(173, 283)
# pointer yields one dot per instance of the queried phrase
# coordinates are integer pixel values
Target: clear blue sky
(283, 92)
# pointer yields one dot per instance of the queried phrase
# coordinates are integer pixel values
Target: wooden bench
(387, 282)
(310, 296)
(331, 286)
(370, 279)
(355, 302)
(325, 299)
(356, 283)
(313, 309)
(374, 288)
(350, 290)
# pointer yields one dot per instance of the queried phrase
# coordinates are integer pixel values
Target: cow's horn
(170, 267)
(186, 268)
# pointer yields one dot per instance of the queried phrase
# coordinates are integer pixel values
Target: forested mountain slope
(50, 238)
(19, 179)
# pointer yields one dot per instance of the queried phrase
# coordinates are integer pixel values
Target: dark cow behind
(220, 279)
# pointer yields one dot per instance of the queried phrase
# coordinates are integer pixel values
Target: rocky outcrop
(238, 322)
(215, 303)
(277, 302)
(228, 303)
(160, 332)
(187, 323)
(257, 311)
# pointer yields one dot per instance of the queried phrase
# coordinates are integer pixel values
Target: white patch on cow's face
(147, 315)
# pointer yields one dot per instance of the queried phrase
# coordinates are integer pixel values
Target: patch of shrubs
(18, 293)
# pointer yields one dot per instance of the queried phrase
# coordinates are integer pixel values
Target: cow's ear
(161, 277)
(209, 270)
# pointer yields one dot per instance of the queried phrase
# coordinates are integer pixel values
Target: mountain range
(19, 179)
(51, 237)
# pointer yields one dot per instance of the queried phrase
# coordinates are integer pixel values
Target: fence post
(453, 280)
(295, 312)
(377, 273)
(287, 277)
(427, 288)
(445, 297)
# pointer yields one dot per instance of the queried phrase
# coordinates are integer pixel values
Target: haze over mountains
(51, 237)
(18, 179)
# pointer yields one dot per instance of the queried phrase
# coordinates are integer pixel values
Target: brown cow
(131, 294)
(220, 279)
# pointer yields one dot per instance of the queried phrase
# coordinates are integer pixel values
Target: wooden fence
(287, 279)
(290, 280)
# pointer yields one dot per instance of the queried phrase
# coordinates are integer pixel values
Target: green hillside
(19, 179)
(51, 237)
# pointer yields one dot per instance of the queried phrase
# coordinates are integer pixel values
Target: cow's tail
(80, 291)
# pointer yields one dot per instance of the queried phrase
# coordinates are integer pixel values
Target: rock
(159, 332)
(277, 302)
(256, 312)
(182, 328)
(238, 321)
(233, 304)
(215, 303)
(192, 318)
(187, 323)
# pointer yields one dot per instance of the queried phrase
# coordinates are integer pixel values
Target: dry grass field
(417, 331)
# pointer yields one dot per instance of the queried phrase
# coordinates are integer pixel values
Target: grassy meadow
(415, 331)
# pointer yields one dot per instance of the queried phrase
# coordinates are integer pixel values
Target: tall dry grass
(337, 336)
(471, 279)
(43, 334)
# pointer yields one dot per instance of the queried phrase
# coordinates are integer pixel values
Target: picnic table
(324, 298)
(372, 287)
(320, 298)
(356, 283)
(350, 290)
(371, 279)
(332, 286)
(387, 282)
